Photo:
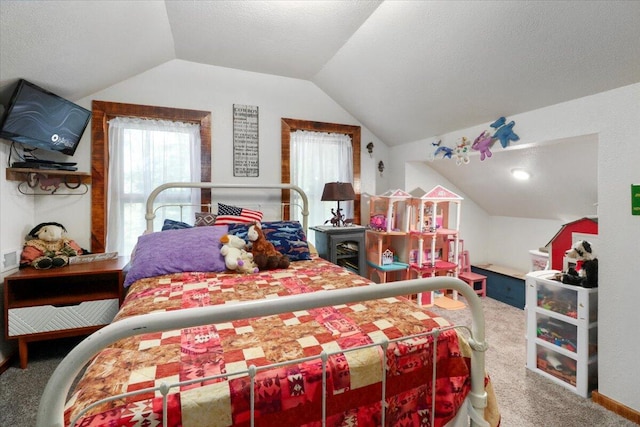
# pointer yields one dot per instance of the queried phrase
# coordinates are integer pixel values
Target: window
(102, 113)
(318, 158)
(292, 125)
(144, 154)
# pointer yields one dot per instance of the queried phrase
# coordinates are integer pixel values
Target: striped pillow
(232, 214)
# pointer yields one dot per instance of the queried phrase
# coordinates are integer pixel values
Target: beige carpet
(525, 398)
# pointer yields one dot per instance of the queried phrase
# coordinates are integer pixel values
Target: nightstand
(60, 302)
(343, 246)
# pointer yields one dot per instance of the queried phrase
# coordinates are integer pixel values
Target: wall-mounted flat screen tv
(38, 118)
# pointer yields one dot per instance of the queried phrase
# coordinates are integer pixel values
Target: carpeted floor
(20, 389)
(525, 398)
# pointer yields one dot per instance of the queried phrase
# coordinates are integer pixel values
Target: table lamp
(337, 192)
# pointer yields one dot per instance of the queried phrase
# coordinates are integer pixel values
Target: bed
(310, 345)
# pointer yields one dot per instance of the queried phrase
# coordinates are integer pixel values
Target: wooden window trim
(292, 125)
(102, 112)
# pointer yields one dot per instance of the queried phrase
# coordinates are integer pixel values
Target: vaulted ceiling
(407, 70)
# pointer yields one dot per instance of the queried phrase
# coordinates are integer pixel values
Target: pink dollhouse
(386, 211)
(429, 227)
(433, 243)
(385, 237)
(415, 228)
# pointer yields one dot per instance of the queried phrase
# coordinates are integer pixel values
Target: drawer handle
(71, 304)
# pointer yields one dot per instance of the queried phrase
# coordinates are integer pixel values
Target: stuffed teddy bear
(46, 246)
(236, 258)
(265, 255)
(585, 273)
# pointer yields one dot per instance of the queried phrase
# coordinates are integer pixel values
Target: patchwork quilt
(290, 394)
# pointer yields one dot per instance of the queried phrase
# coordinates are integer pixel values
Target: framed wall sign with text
(245, 141)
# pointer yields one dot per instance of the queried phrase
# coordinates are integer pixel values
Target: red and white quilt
(284, 396)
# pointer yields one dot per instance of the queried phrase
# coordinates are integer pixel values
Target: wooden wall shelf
(49, 181)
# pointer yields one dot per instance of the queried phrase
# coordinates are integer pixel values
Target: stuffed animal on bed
(46, 246)
(236, 258)
(265, 255)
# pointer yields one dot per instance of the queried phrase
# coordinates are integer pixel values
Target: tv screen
(38, 118)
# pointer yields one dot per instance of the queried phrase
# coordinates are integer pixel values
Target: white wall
(16, 210)
(512, 238)
(183, 84)
(615, 117)
(16, 219)
(618, 114)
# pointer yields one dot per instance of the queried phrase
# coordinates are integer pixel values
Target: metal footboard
(51, 409)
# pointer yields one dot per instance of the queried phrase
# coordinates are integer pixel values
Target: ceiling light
(520, 174)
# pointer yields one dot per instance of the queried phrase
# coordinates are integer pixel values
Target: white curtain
(142, 155)
(318, 158)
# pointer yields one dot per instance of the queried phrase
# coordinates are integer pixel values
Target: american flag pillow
(233, 214)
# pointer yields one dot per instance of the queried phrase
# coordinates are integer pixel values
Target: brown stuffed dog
(265, 255)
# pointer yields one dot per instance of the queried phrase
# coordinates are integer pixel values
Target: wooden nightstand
(73, 300)
(343, 246)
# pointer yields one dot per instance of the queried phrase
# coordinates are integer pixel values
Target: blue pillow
(171, 224)
(176, 251)
(286, 236)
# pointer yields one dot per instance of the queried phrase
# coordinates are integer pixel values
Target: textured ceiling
(407, 70)
(285, 38)
(552, 192)
(423, 68)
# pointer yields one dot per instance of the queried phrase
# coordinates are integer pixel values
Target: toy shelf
(423, 246)
(377, 242)
(440, 232)
(428, 268)
(562, 331)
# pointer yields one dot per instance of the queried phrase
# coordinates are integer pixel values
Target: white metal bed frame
(52, 403)
(151, 211)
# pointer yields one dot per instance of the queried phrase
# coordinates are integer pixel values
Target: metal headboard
(150, 212)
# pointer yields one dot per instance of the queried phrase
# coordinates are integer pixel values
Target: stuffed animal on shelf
(585, 273)
(47, 246)
(236, 258)
(265, 255)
